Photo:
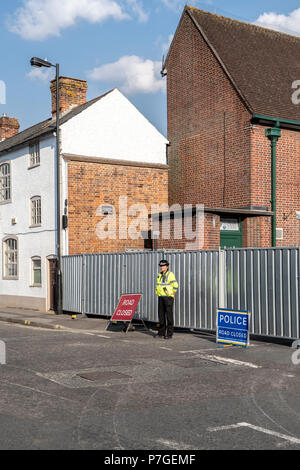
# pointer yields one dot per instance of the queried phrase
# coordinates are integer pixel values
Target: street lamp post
(37, 62)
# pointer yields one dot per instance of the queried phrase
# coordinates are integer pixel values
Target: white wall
(113, 128)
(39, 241)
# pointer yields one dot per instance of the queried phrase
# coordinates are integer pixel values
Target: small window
(10, 258)
(5, 182)
(36, 271)
(34, 154)
(36, 211)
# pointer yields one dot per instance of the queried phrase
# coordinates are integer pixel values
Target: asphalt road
(73, 390)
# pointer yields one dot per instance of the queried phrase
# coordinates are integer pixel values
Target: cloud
(41, 74)
(39, 19)
(174, 4)
(137, 8)
(285, 23)
(131, 74)
(178, 5)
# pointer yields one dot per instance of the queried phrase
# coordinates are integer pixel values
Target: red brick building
(228, 82)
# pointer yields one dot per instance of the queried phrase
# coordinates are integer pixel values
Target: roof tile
(262, 63)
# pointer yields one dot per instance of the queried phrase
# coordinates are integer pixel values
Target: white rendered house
(107, 127)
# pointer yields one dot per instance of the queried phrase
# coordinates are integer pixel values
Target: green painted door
(231, 233)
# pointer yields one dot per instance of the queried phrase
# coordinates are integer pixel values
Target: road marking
(5, 382)
(168, 349)
(71, 330)
(291, 439)
(224, 428)
(225, 360)
(93, 334)
(196, 351)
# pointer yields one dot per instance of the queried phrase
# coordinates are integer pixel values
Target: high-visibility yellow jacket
(166, 285)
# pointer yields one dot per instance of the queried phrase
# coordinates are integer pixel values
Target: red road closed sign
(126, 307)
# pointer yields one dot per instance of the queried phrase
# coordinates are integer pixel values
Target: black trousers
(165, 316)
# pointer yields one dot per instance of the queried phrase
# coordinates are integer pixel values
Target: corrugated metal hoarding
(104, 277)
(262, 281)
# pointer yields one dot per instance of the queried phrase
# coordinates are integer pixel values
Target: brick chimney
(72, 92)
(8, 127)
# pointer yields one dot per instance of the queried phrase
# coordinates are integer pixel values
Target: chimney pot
(72, 93)
(8, 127)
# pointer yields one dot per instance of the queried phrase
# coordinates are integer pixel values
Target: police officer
(166, 288)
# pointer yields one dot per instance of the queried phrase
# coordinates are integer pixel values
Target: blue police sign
(233, 327)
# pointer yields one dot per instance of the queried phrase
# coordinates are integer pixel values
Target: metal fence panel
(140, 274)
(72, 283)
(103, 282)
(266, 283)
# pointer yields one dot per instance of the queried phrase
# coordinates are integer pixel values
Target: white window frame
(34, 154)
(5, 183)
(35, 211)
(33, 269)
(10, 257)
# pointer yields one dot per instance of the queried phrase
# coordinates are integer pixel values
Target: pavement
(34, 318)
(88, 324)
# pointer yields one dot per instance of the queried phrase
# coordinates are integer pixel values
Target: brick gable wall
(92, 184)
(208, 127)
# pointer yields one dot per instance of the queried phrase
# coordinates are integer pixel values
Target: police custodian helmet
(163, 262)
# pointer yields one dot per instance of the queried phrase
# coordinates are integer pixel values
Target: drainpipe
(273, 134)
